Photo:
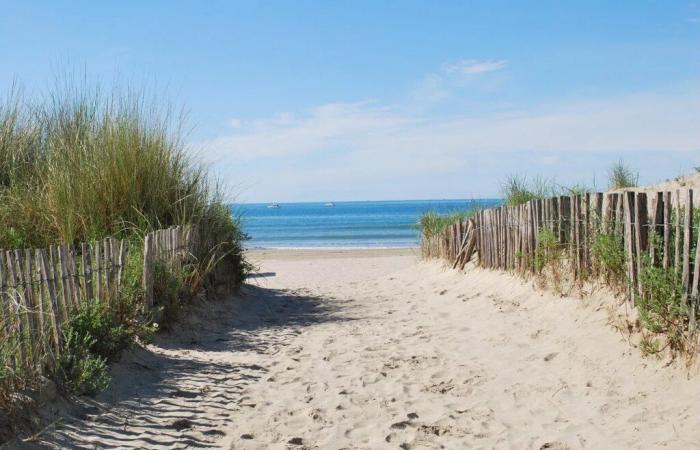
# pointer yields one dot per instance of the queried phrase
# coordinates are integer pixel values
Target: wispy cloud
(334, 125)
(456, 76)
(474, 67)
(366, 147)
(641, 122)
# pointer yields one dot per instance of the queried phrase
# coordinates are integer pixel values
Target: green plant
(609, 254)
(169, 292)
(94, 335)
(660, 304)
(621, 176)
(101, 324)
(79, 164)
(516, 189)
(433, 224)
(547, 249)
(78, 370)
(576, 189)
(649, 346)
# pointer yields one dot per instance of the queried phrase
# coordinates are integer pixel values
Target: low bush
(78, 369)
(661, 307)
(170, 292)
(548, 249)
(608, 254)
(96, 334)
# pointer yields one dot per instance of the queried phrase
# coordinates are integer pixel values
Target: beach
(377, 349)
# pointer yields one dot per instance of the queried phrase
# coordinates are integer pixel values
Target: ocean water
(346, 225)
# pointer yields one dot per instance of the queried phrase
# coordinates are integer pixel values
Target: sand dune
(383, 351)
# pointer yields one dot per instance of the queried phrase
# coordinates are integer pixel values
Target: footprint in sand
(550, 356)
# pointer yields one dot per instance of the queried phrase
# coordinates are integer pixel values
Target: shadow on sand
(181, 391)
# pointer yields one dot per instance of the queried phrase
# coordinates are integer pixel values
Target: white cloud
(466, 75)
(368, 150)
(642, 122)
(474, 67)
(326, 126)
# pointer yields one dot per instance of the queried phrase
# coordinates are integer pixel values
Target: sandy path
(380, 351)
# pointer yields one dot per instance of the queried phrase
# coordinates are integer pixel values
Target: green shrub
(169, 292)
(661, 308)
(94, 319)
(548, 249)
(609, 253)
(649, 346)
(94, 335)
(78, 370)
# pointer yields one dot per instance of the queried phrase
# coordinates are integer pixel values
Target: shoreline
(330, 252)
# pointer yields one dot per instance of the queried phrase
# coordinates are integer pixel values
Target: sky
(371, 100)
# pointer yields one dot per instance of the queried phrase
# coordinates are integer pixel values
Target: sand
(376, 349)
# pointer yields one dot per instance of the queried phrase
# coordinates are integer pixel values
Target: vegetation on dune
(517, 189)
(622, 176)
(79, 164)
(432, 223)
(668, 315)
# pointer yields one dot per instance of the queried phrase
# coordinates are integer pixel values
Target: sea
(343, 225)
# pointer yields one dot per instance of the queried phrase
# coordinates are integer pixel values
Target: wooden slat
(29, 338)
(148, 258)
(54, 275)
(86, 250)
(65, 279)
(694, 294)
(640, 232)
(107, 264)
(628, 205)
(123, 254)
(679, 232)
(687, 227)
(54, 314)
(74, 277)
(667, 231)
(32, 278)
(18, 327)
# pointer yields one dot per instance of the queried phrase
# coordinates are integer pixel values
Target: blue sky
(352, 100)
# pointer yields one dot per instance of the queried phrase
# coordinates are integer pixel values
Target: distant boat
(329, 204)
(273, 205)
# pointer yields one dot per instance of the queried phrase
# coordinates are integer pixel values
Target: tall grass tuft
(622, 176)
(517, 189)
(79, 164)
(432, 223)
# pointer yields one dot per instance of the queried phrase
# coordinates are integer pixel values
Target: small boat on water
(329, 204)
(273, 205)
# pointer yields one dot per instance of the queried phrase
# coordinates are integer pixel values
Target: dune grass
(79, 164)
(517, 189)
(622, 176)
(432, 223)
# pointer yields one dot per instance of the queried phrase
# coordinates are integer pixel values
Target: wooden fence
(40, 289)
(171, 247)
(659, 226)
